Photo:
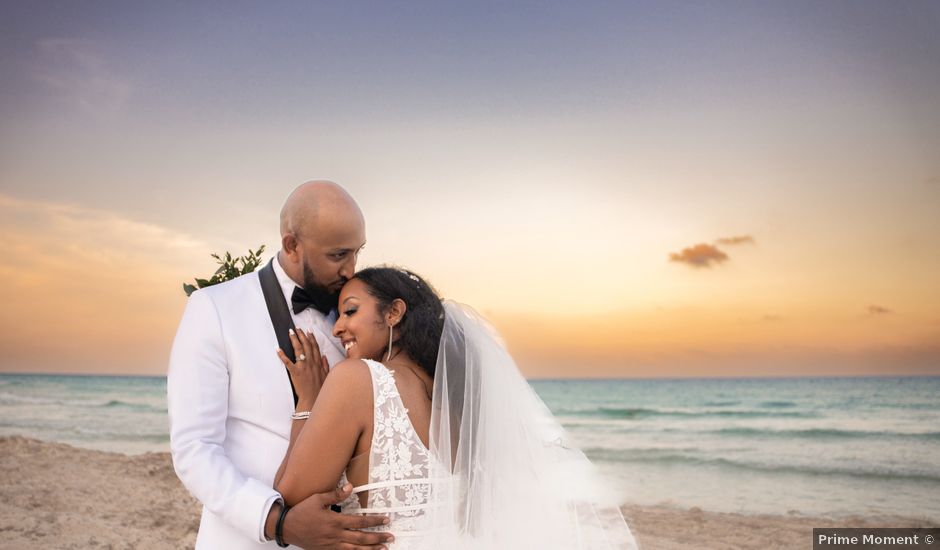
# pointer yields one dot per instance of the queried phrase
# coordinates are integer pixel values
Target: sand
(660, 528)
(56, 496)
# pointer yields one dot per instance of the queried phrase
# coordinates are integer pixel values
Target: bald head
(322, 232)
(313, 200)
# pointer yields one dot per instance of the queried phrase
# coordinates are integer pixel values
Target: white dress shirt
(311, 320)
(229, 403)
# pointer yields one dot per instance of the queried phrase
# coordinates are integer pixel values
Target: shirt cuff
(266, 509)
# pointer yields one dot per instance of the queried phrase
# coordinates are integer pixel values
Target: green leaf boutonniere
(229, 268)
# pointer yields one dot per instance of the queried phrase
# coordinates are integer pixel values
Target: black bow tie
(301, 299)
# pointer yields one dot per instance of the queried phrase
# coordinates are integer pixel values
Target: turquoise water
(112, 413)
(819, 446)
(816, 446)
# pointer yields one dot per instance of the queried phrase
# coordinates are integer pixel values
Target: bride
(433, 424)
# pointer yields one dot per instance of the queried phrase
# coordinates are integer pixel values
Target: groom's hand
(313, 526)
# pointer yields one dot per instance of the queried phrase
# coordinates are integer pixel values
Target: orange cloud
(738, 239)
(699, 256)
(87, 290)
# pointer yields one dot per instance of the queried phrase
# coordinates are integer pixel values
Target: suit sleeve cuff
(264, 515)
(248, 510)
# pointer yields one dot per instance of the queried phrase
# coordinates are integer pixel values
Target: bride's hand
(309, 370)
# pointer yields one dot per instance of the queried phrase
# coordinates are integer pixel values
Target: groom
(229, 396)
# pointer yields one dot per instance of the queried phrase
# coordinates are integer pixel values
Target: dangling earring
(389, 355)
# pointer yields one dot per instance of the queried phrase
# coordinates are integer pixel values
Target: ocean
(810, 446)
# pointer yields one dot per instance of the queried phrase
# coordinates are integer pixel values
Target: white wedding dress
(500, 473)
(399, 483)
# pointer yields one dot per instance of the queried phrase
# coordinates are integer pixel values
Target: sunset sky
(626, 189)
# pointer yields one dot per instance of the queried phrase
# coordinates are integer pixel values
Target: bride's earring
(389, 355)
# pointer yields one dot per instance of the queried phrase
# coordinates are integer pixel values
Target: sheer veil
(504, 473)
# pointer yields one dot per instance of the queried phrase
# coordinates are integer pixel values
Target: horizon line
(550, 379)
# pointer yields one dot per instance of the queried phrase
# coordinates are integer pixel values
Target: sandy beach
(53, 495)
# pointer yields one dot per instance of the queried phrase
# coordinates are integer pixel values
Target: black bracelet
(279, 527)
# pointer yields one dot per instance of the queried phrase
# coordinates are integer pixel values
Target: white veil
(506, 476)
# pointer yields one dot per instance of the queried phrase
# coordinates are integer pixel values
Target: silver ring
(302, 357)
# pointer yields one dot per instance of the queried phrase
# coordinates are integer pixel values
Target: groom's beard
(319, 293)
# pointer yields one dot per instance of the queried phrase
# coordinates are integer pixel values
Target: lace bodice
(399, 484)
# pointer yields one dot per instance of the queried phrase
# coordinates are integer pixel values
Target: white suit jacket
(229, 401)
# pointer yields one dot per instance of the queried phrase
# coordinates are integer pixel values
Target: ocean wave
(79, 433)
(825, 433)
(777, 404)
(10, 398)
(111, 435)
(641, 412)
(913, 406)
(650, 456)
(6, 397)
(115, 433)
(721, 403)
(135, 406)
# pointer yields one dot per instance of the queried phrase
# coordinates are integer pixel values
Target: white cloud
(52, 229)
(76, 71)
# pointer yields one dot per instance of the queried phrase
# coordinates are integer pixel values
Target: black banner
(876, 539)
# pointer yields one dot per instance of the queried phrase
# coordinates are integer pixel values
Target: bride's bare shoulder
(349, 377)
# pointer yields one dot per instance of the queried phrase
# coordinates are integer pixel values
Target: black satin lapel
(279, 313)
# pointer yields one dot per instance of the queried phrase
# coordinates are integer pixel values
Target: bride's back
(394, 442)
(414, 387)
(392, 475)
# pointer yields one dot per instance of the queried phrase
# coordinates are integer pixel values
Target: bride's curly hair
(419, 332)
